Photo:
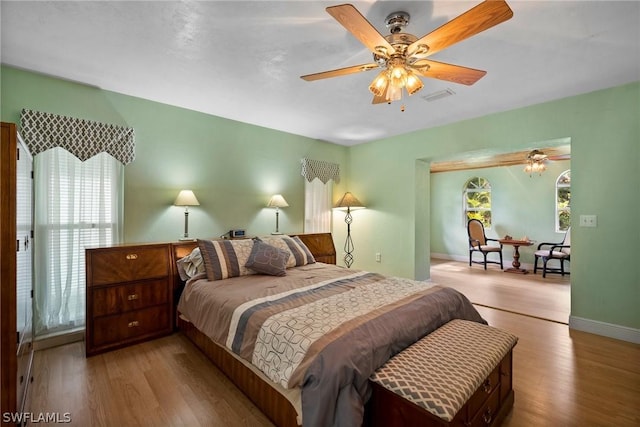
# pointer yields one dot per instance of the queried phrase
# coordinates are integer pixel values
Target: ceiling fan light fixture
(535, 162)
(379, 84)
(394, 93)
(413, 83)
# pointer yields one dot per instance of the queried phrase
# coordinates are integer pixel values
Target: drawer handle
(487, 417)
(133, 324)
(132, 297)
(486, 386)
(132, 256)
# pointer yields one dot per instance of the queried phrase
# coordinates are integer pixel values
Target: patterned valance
(82, 138)
(324, 171)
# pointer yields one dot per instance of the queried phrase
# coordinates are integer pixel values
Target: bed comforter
(322, 328)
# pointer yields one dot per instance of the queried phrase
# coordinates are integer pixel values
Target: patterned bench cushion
(441, 371)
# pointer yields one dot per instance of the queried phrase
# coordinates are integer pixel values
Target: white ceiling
(242, 60)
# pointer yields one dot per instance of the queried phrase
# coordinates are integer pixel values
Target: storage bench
(459, 375)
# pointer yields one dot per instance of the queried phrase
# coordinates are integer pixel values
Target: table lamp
(277, 201)
(186, 198)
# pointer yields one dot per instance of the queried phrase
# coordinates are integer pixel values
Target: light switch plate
(588, 221)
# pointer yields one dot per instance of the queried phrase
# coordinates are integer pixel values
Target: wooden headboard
(320, 245)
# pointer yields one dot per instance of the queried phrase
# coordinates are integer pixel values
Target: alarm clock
(237, 234)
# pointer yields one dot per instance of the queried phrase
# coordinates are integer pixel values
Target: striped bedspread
(322, 328)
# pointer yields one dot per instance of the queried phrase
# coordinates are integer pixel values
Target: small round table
(516, 254)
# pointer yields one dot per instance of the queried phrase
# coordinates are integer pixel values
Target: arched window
(477, 201)
(563, 201)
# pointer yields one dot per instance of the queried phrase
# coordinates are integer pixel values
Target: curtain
(319, 176)
(77, 205)
(317, 206)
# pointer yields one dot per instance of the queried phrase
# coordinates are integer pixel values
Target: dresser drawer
(125, 264)
(121, 328)
(488, 412)
(120, 299)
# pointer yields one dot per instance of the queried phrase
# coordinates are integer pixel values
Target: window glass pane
(563, 201)
(477, 200)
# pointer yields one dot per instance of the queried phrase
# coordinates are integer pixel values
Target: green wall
(521, 205)
(604, 128)
(232, 167)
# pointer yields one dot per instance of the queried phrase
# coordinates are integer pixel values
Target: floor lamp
(348, 201)
(186, 198)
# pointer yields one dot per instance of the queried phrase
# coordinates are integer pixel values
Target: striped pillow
(299, 253)
(225, 258)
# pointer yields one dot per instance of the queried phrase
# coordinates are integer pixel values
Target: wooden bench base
(488, 406)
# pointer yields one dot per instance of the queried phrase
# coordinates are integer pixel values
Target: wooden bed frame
(274, 405)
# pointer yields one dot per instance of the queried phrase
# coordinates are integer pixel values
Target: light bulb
(398, 76)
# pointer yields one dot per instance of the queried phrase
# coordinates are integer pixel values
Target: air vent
(438, 95)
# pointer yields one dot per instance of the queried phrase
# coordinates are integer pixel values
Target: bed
(301, 343)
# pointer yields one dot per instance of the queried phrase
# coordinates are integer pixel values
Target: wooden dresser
(129, 295)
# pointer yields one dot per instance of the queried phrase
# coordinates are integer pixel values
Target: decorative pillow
(190, 265)
(225, 258)
(299, 253)
(267, 259)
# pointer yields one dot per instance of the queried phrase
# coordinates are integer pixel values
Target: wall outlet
(588, 221)
(378, 257)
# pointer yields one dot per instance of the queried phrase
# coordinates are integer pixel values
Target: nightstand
(129, 295)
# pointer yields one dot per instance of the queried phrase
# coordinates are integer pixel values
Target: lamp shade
(277, 201)
(349, 201)
(186, 198)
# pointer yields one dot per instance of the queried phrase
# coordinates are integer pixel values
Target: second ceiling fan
(403, 56)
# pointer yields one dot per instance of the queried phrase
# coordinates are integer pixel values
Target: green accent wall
(604, 129)
(232, 167)
(235, 167)
(522, 205)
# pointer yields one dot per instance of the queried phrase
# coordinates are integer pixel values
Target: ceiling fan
(403, 56)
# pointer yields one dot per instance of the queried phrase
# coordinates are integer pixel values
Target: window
(563, 201)
(77, 205)
(318, 187)
(477, 201)
(317, 206)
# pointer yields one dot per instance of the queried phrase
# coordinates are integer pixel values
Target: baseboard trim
(461, 258)
(610, 330)
(54, 340)
(449, 257)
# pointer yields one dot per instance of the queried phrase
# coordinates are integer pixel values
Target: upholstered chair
(560, 251)
(479, 242)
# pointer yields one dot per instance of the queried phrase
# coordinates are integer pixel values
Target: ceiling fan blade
(356, 24)
(339, 72)
(449, 72)
(475, 20)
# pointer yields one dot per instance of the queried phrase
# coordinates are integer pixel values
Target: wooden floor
(561, 378)
(530, 294)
